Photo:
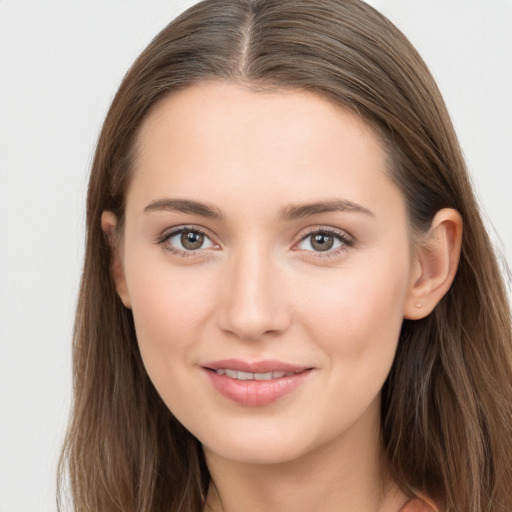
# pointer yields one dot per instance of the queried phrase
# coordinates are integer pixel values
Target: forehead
(284, 113)
(220, 137)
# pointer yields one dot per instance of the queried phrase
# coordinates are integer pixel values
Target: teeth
(234, 374)
(263, 376)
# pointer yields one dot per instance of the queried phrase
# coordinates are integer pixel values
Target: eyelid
(169, 233)
(346, 239)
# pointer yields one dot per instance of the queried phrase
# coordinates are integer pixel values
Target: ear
(436, 261)
(109, 225)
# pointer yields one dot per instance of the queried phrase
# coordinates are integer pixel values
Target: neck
(344, 474)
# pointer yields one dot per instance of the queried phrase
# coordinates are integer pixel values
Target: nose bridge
(253, 302)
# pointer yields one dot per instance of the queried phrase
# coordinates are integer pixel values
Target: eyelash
(165, 237)
(346, 241)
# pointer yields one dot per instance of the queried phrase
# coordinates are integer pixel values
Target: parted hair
(447, 403)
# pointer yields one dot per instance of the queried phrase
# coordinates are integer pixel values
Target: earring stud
(418, 305)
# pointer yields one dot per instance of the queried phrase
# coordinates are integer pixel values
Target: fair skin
(258, 277)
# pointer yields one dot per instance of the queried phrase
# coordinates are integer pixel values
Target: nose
(253, 295)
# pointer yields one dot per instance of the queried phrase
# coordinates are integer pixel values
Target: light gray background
(60, 64)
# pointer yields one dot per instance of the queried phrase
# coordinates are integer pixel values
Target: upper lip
(255, 366)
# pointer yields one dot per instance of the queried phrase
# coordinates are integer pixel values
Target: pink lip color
(253, 393)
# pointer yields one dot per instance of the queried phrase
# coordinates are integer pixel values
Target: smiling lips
(255, 384)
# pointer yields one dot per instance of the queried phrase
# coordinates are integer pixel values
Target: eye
(325, 240)
(186, 240)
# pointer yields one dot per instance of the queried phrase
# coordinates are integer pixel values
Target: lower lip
(255, 393)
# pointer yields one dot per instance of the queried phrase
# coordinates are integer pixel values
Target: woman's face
(267, 262)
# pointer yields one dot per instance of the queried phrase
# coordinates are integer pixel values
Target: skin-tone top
(419, 505)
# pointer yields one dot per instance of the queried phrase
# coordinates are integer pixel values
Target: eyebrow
(293, 212)
(288, 213)
(185, 206)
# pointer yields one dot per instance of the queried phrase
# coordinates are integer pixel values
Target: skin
(258, 289)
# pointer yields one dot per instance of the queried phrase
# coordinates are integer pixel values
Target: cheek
(168, 313)
(169, 309)
(357, 317)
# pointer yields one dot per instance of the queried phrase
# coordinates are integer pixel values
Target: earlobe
(109, 225)
(436, 261)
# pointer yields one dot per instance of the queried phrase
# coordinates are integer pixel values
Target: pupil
(191, 240)
(322, 242)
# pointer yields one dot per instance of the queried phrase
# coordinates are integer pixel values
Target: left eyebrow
(293, 212)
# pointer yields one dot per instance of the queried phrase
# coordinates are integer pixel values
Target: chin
(255, 446)
(261, 453)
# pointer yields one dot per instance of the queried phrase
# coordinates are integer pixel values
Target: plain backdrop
(60, 64)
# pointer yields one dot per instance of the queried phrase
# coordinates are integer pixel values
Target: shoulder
(419, 505)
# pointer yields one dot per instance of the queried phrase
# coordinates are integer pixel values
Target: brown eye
(322, 242)
(192, 240)
(186, 240)
(325, 241)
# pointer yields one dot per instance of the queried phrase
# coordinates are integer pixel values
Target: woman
(289, 301)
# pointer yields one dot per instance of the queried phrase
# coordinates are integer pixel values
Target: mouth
(239, 375)
(255, 384)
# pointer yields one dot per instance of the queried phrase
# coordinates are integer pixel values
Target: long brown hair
(447, 404)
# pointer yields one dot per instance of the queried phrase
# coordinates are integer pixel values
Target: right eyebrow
(184, 206)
